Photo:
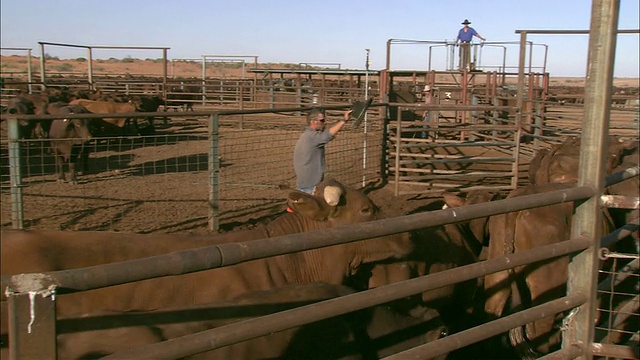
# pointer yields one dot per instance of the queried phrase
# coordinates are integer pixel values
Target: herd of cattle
(68, 137)
(325, 272)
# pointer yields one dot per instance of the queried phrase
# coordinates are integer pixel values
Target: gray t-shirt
(308, 157)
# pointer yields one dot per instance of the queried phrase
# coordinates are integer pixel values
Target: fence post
(396, 187)
(583, 268)
(214, 172)
(32, 325)
(17, 211)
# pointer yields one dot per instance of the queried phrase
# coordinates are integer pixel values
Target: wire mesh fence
(619, 320)
(164, 182)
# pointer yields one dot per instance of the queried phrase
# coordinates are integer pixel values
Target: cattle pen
(231, 144)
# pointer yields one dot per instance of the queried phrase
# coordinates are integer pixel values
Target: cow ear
(368, 211)
(451, 200)
(308, 206)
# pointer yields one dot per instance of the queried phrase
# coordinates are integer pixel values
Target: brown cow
(108, 107)
(559, 164)
(628, 187)
(368, 333)
(437, 249)
(441, 247)
(68, 138)
(620, 298)
(41, 251)
(543, 281)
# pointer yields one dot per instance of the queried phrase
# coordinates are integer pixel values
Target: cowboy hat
(466, 22)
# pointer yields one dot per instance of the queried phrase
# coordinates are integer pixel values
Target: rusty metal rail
(186, 261)
(249, 329)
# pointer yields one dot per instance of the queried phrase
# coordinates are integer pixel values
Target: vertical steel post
(17, 212)
(519, 99)
(42, 72)
(32, 326)
(204, 79)
(530, 57)
(29, 71)
(583, 269)
(366, 98)
(504, 65)
(90, 61)
(464, 100)
(214, 172)
(396, 186)
(164, 73)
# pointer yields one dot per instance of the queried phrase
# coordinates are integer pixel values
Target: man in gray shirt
(308, 155)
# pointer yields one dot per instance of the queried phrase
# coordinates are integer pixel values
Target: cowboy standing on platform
(465, 35)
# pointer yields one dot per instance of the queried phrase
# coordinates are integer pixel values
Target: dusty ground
(160, 184)
(187, 197)
(16, 63)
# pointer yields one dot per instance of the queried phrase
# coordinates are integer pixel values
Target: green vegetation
(81, 59)
(64, 67)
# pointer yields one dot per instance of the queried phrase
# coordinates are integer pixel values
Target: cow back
(106, 107)
(560, 163)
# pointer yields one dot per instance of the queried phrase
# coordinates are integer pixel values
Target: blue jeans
(427, 121)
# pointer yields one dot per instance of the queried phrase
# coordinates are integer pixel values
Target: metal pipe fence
(22, 285)
(442, 154)
(93, 278)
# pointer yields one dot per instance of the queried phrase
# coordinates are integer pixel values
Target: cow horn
(332, 195)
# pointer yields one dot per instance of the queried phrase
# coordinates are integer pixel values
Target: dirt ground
(130, 66)
(160, 184)
(187, 197)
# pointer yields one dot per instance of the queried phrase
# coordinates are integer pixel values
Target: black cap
(466, 22)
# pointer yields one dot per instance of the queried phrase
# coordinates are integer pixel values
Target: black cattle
(149, 103)
(22, 106)
(183, 96)
(68, 138)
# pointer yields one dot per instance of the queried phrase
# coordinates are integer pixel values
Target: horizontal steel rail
(252, 328)
(187, 261)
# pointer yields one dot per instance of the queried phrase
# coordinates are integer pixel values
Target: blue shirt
(308, 157)
(466, 36)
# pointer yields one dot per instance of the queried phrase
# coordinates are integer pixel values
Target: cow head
(78, 126)
(20, 106)
(136, 101)
(476, 230)
(334, 202)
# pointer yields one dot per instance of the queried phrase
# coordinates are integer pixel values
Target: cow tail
(517, 336)
(520, 344)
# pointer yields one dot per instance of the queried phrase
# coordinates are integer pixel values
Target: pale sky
(313, 31)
